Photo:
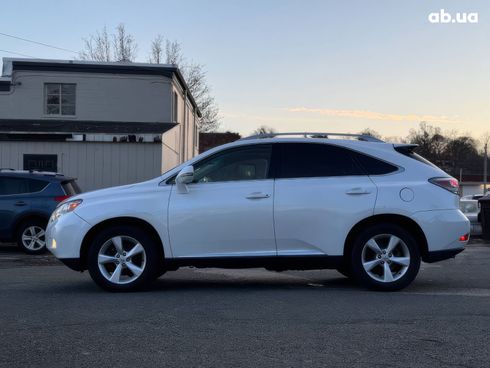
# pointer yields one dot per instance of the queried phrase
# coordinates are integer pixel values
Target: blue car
(27, 199)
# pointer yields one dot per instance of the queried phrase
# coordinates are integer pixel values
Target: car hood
(119, 191)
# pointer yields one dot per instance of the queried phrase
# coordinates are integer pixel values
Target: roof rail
(46, 173)
(360, 137)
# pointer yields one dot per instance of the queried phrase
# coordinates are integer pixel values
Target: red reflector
(61, 198)
(464, 237)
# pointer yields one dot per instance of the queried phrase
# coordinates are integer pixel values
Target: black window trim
(25, 193)
(276, 158)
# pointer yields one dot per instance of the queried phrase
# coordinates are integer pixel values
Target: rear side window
(11, 186)
(309, 160)
(71, 188)
(373, 166)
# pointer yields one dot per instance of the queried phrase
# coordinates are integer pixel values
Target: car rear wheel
(31, 236)
(123, 259)
(385, 257)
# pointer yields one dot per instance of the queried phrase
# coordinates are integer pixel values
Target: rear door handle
(257, 195)
(20, 203)
(357, 191)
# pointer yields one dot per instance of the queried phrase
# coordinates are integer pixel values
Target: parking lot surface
(51, 316)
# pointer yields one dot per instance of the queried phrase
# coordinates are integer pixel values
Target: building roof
(81, 66)
(82, 126)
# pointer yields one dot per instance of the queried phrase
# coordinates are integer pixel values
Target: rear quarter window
(374, 166)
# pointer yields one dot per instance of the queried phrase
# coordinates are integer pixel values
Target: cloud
(373, 115)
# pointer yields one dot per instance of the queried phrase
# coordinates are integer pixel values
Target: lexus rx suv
(27, 199)
(371, 210)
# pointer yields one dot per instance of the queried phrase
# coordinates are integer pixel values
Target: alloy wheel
(121, 259)
(33, 238)
(385, 258)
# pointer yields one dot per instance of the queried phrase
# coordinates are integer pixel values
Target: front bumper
(64, 236)
(74, 263)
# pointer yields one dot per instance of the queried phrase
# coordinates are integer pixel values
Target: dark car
(27, 199)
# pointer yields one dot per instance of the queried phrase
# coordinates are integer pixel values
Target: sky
(323, 66)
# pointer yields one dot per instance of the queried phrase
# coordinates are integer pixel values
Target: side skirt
(276, 263)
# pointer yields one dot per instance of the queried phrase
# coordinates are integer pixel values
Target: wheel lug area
(124, 253)
(379, 255)
(384, 252)
(117, 255)
(382, 262)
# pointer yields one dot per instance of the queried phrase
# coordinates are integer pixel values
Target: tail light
(450, 184)
(464, 237)
(61, 198)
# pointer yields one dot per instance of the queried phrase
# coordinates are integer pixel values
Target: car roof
(33, 174)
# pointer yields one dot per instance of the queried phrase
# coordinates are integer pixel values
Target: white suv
(370, 209)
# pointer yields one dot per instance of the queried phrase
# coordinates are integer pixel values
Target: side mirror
(184, 177)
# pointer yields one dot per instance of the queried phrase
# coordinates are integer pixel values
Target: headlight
(65, 208)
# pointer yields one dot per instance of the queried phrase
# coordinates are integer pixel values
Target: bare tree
(371, 132)
(97, 47)
(125, 47)
(195, 76)
(102, 46)
(173, 51)
(157, 52)
(264, 129)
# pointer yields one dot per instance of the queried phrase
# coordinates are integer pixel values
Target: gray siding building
(105, 123)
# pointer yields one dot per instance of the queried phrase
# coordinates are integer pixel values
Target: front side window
(243, 163)
(11, 186)
(59, 98)
(309, 160)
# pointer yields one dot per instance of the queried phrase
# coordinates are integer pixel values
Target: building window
(59, 98)
(176, 108)
(41, 162)
(196, 132)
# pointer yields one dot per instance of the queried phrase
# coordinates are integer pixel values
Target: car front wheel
(385, 257)
(123, 259)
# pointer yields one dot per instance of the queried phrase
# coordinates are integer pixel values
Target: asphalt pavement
(51, 316)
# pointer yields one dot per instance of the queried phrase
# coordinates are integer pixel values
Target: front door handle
(257, 195)
(357, 191)
(20, 203)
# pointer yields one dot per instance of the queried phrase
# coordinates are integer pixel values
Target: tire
(30, 236)
(129, 259)
(385, 258)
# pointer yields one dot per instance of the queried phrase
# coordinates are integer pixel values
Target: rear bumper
(441, 255)
(442, 229)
